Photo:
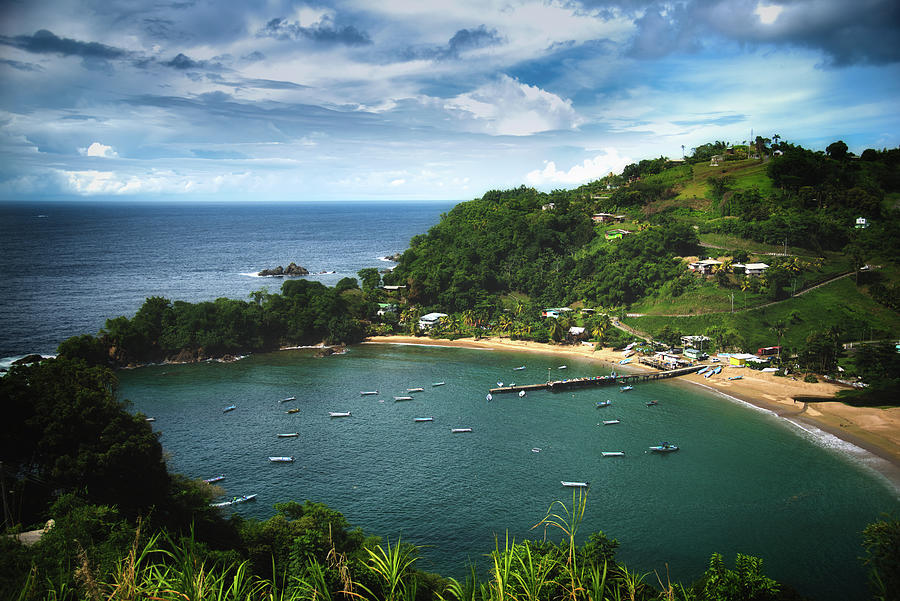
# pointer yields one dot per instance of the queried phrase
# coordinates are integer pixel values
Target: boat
(624, 361)
(520, 368)
(563, 367)
(605, 403)
(613, 453)
(438, 383)
(705, 367)
(214, 479)
(574, 484)
(289, 435)
(718, 369)
(403, 398)
(664, 448)
(652, 403)
(499, 384)
(229, 408)
(489, 397)
(609, 422)
(339, 413)
(536, 450)
(368, 392)
(414, 389)
(709, 374)
(292, 411)
(149, 419)
(290, 398)
(458, 430)
(423, 419)
(281, 459)
(735, 377)
(521, 393)
(234, 501)
(626, 388)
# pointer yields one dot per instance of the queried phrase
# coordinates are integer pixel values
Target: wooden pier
(620, 380)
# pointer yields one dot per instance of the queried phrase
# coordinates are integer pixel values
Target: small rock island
(291, 270)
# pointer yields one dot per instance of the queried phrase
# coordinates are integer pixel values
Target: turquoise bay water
(743, 481)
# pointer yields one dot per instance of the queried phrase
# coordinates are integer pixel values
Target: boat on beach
(339, 414)
(288, 459)
(229, 408)
(574, 484)
(423, 419)
(664, 447)
(289, 435)
(459, 430)
(214, 479)
(610, 422)
(613, 453)
(234, 501)
(624, 361)
(368, 392)
(703, 370)
(288, 399)
(735, 377)
(605, 403)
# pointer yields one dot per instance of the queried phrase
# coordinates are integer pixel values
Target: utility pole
(732, 302)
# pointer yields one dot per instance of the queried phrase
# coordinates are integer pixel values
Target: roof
(756, 266)
(432, 316)
(575, 330)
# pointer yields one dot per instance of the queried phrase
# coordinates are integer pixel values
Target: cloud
(323, 31)
(46, 42)
(462, 41)
(509, 107)
(183, 62)
(589, 170)
(21, 66)
(99, 150)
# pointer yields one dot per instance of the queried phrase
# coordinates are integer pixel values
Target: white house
(755, 268)
(426, 322)
(705, 266)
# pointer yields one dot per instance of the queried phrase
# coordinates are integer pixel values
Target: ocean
(743, 481)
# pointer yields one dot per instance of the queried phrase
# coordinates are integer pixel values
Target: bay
(744, 481)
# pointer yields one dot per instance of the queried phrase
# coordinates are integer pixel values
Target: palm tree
(557, 331)
(504, 324)
(599, 325)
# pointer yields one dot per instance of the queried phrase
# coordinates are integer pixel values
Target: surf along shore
(872, 429)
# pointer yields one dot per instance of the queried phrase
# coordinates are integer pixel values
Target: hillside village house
(752, 268)
(554, 312)
(608, 218)
(706, 266)
(426, 322)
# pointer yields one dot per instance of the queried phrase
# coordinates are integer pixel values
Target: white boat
(290, 398)
(664, 448)
(368, 392)
(458, 430)
(605, 403)
(609, 422)
(149, 419)
(339, 413)
(499, 384)
(489, 397)
(438, 383)
(414, 389)
(520, 368)
(289, 435)
(536, 450)
(624, 361)
(281, 459)
(423, 419)
(702, 371)
(574, 484)
(403, 398)
(214, 479)
(626, 388)
(562, 367)
(234, 501)
(613, 453)
(735, 377)
(651, 403)
(229, 408)
(521, 393)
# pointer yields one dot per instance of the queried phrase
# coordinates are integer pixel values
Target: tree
(370, 278)
(746, 582)
(837, 150)
(881, 541)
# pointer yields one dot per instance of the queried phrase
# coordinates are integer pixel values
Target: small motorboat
(288, 399)
(281, 459)
(438, 383)
(626, 388)
(234, 501)
(489, 397)
(423, 419)
(292, 411)
(574, 484)
(664, 447)
(215, 479)
(609, 422)
(403, 398)
(149, 419)
(520, 368)
(414, 389)
(459, 430)
(651, 403)
(703, 370)
(499, 384)
(613, 453)
(368, 392)
(624, 361)
(339, 414)
(229, 408)
(563, 367)
(521, 393)
(536, 450)
(606, 403)
(289, 435)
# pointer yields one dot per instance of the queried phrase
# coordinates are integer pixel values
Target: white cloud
(589, 170)
(768, 13)
(99, 150)
(509, 107)
(397, 182)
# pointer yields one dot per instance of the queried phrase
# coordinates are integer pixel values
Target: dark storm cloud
(46, 42)
(462, 40)
(282, 29)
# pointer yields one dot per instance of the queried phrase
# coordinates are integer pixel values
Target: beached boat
(438, 383)
(229, 408)
(735, 377)
(718, 369)
(520, 368)
(458, 430)
(605, 403)
(664, 448)
(709, 374)
(613, 453)
(403, 398)
(651, 403)
(281, 459)
(292, 411)
(289, 435)
(521, 393)
(423, 419)
(339, 414)
(626, 388)
(288, 399)
(574, 484)
(489, 397)
(368, 392)
(609, 422)
(234, 501)
(414, 389)
(214, 479)
(703, 370)
(624, 361)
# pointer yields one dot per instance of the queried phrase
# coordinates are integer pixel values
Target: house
(548, 207)
(384, 308)
(742, 358)
(426, 322)
(706, 266)
(692, 353)
(393, 288)
(554, 312)
(692, 340)
(861, 223)
(577, 333)
(755, 268)
(615, 234)
(608, 218)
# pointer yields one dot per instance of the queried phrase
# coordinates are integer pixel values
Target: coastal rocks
(394, 257)
(35, 358)
(291, 270)
(327, 351)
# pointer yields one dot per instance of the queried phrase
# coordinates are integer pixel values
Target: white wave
(6, 362)
(253, 275)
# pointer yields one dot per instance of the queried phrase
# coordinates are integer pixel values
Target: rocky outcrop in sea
(291, 270)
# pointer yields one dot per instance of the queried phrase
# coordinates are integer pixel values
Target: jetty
(617, 380)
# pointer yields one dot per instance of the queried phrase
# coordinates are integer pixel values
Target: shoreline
(872, 431)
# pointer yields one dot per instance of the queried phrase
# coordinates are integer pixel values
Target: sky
(279, 100)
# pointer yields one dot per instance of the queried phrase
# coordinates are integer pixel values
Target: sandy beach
(871, 429)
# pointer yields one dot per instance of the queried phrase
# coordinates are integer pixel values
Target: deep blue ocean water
(744, 481)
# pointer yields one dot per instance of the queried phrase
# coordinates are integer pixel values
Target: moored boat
(664, 447)
(229, 408)
(573, 484)
(521, 393)
(438, 383)
(288, 399)
(563, 367)
(287, 459)
(292, 411)
(459, 430)
(234, 501)
(214, 479)
(613, 453)
(368, 392)
(651, 403)
(605, 403)
(403, 398)
(520, 368)
(149, 419)
(423, 419)
(609, 422)
(536, 450)
(414, 389)
(339, 414)
(626, 388)
(489, 397)
(289, 435)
